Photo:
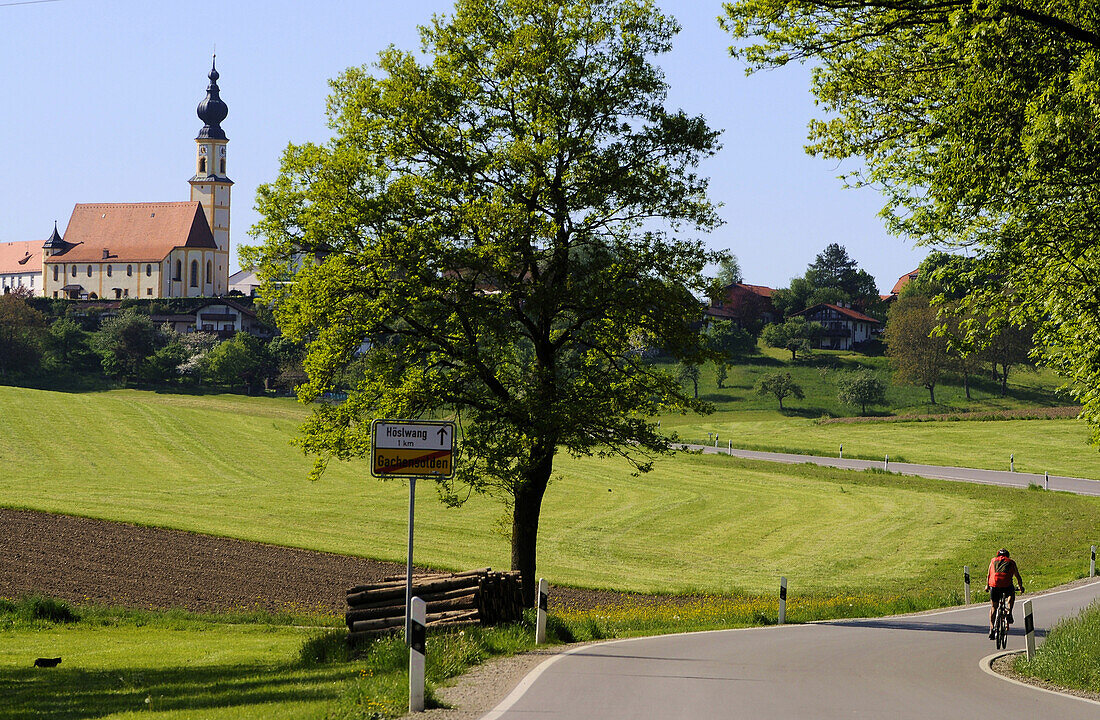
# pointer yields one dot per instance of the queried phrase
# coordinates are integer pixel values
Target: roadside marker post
(729, 443)
(1029, 629)
(416, 655)
(540, 622)
(886, 463)
(715, 439)
(1092, 563)
(1046, 480)
(966, 583)
(1012, 462)
(842, 451)
(782, 600)
(411, 449)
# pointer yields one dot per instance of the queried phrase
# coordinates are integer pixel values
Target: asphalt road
(1080, 486)
(932, 665)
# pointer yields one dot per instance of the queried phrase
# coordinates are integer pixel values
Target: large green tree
(833, 277)
(918, 354)
(506, 220)
(980, 122)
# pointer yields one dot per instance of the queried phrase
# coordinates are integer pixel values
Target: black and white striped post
(1092, 563)
(782, 600)
(966, 583)
(417, 635)
(1046, 480)
(715, 439)
(1012, 462)
(886, 463)
(842, 451)
(1029, 629)
(540, 619)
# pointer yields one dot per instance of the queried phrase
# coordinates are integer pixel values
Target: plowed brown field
(82, 560)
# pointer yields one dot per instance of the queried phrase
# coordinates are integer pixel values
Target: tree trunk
(1004, 379)
(932, 393)
(966, 384)
(525, 520)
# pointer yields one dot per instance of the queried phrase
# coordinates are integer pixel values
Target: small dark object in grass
(47, 662)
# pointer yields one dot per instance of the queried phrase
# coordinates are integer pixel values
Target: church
(140, 250)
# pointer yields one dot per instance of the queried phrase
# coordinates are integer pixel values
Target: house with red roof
(744, 304)
(902, 282)
(844, 327)
(21, 266)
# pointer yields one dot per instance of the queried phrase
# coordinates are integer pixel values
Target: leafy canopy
(501, 229)
(980, 121)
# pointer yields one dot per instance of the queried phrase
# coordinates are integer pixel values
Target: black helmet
(1002, 551)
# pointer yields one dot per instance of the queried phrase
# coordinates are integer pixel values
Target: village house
(21, 266)
(744, 304)
(844, 327)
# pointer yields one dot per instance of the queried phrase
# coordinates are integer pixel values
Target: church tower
(211, 186)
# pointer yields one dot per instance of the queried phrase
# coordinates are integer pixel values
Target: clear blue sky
(100, 100)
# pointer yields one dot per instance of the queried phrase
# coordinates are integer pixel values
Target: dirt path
(94, 561)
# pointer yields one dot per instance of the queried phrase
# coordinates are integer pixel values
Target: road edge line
(986, 664)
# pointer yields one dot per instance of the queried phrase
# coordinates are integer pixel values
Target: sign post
(411, 449)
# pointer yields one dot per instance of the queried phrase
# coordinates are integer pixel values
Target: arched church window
(209, 272)
(222, 164)
(129, 271)
(194, 273)
(202, 165)
(108, 271)
(74, 270)
(148, 270)
(55, 273)
(179, 271)
(89, 271)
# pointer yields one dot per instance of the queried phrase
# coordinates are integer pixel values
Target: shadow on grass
(807, 412)
(63, 693)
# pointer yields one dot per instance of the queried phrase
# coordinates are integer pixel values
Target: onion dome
(212, 110)
(55, 242)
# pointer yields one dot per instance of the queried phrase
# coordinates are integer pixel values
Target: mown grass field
(221, 465)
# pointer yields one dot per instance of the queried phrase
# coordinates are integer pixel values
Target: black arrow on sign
(442, 434)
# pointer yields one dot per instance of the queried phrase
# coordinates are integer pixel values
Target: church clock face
(202, 150)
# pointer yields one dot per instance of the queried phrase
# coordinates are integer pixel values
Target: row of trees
(931, 332)
(129, 347)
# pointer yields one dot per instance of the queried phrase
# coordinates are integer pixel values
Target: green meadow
(222, 465)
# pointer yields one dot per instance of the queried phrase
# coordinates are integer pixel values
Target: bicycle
(1000, 622)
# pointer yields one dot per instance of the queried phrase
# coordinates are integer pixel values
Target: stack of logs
(453, 599)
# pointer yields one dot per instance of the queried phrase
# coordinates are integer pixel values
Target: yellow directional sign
(417, 448)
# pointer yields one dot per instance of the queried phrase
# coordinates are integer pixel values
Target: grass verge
(1070, 656)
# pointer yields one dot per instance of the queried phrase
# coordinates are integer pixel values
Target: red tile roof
(23, 256)
(137, 232)
(847, 312)
(903, 281)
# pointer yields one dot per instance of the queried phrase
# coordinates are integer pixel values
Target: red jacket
(1001, 571)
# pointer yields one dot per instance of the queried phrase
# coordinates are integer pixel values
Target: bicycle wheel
(1002, 629)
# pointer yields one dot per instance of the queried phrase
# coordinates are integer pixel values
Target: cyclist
(1002, 570)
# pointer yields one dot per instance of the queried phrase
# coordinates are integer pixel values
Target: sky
(101, 97)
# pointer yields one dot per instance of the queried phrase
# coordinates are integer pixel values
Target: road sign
(404, 448)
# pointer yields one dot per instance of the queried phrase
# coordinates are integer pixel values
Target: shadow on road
(928, 626)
